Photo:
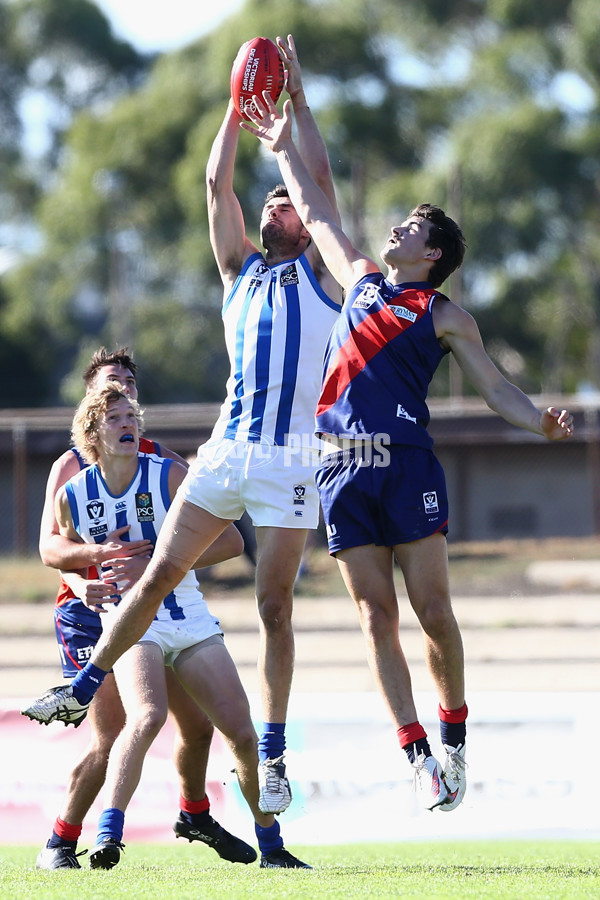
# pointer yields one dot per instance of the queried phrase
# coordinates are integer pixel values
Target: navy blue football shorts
(381, 495)
(78, 629)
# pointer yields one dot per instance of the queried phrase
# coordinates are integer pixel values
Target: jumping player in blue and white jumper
(123, 487)
(278, 310)
(381, 487)
(261, 457)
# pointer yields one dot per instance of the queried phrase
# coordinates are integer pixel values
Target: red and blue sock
(413, 740)
(196, 812)
(453, 725)
(64, 835)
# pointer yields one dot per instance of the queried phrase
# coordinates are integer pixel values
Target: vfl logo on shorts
(97, 516)
(143, 507)
(299, 495)
(430, 502)
(289, 276)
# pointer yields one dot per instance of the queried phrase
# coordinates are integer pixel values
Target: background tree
(487, 107)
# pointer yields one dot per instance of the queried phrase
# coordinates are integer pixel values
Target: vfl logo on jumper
(401, 312)
(289, 276)
(143, 507)
(258, 276)
(402, 414)
(367, 297)
(97, 517)
(430, 502)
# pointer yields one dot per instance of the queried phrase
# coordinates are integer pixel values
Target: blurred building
(503, 482)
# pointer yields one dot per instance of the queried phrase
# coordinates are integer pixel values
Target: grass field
(520, 870)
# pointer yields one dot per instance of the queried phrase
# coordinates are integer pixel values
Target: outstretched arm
(274, 130)
(458, 332)
(311, 145)
(226, 225)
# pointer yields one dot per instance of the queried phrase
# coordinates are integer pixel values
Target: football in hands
(257, 67)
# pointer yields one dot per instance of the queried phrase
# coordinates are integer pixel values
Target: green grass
(520, 870)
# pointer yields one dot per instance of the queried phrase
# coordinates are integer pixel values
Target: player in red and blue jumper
(381, 487)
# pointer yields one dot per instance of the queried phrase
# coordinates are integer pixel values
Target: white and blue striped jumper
(277, 320)
(143, 505)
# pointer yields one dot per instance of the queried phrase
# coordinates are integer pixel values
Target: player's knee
(148, 721)
(436, 616)
(377, 620)
(246, 742)
(198, 734)
(275, 610)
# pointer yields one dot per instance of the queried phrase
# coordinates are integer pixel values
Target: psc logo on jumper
(144, 508)
(289, 276)
(430, 502)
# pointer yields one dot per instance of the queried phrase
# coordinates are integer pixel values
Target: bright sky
(153, 26)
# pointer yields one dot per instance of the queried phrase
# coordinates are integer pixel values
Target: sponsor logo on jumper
(402, 414)
(403, 313)
(430, 501)
(367, 297)
(122, 504)
(144, 508)
(299, 494)
(289, 276)
(331, 530)
(259, 275)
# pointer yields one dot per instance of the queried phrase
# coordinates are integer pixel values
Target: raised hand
(287, 51)
(272, 128)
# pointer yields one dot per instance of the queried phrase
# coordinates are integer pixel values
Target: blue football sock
(269, 839)
(86, 683)
(271, 745)
(453, 734)
(415, 750)
(111, 824)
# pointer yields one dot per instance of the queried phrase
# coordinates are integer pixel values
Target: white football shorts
(176, 636)
(274, 485)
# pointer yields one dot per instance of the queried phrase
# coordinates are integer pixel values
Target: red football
(258, 67)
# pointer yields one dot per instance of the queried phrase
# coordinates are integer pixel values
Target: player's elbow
(47, 556)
